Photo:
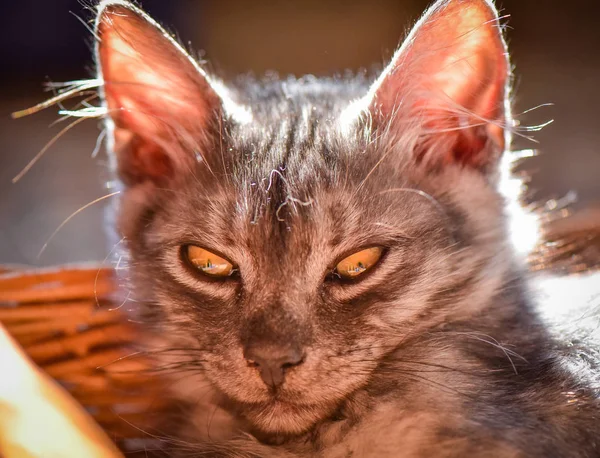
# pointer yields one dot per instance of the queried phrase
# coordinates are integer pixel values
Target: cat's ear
(160, 101)
(450, 77)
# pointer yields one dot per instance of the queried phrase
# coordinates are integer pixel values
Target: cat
(329, 259)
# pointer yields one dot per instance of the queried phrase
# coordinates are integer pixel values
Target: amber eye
(208, 263)
(358, 263)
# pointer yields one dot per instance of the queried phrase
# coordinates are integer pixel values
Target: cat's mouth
(284, 417)
(283, 411)
(280, 401)
(284, 398)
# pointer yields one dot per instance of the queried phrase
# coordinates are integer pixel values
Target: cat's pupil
(359, 262)
(208, 263)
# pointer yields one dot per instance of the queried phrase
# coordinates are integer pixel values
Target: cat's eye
(208, 263)
(358, 263)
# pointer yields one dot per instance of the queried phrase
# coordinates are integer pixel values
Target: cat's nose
(272, 363)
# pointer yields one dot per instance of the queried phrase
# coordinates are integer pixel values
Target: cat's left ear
(161, 103)
(449, 82)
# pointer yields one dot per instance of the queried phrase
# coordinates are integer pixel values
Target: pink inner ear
(452, 73)
(159, 99)
(471, 66)
(147, 76)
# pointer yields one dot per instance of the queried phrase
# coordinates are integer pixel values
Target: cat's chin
(284, 418)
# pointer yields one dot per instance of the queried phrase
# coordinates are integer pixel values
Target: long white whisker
(78, 87)
(45, 148)
(100, 268)
(75, 213)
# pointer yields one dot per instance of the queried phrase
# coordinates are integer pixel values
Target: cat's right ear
(447, 86)
(161, 103)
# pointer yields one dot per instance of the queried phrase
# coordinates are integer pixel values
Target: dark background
(555, 48)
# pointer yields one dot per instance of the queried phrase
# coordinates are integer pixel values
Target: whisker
(64, 112)
(377, 164)
(432, 200)
(87, 26)
(99, 269)
(154, 436)
(541, 105)
(44, 149)
(75, 213)
(122, 303)
(74, 89)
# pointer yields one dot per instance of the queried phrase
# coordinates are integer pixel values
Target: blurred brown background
(554, 45)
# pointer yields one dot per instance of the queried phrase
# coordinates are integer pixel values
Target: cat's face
(292, 235)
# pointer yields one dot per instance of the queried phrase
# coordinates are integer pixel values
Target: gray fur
(438, 351)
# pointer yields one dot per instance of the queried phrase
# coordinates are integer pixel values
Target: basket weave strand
(68, 322)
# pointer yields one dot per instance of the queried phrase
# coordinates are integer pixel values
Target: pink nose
(272, 363)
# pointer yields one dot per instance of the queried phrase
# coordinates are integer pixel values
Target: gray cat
(329, 259)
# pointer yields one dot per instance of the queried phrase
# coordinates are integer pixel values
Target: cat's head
(291, 234)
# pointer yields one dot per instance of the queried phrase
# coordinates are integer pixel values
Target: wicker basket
(69, 323)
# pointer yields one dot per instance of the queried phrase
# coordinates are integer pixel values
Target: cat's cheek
(327, 375)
